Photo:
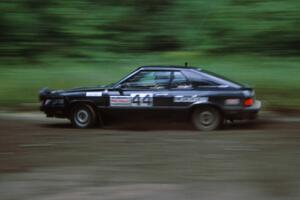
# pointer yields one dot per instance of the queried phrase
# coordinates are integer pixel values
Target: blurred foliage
(71, 43)
(76, 28)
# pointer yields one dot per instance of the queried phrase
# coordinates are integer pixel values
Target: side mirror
(119, 88)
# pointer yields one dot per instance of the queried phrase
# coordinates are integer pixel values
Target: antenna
(186, 64)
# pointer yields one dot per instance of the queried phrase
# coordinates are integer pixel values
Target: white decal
(190, 99)
(93, 94)
(232, 101)
(142, 100)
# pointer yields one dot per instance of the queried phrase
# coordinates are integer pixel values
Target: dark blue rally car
(188, 93)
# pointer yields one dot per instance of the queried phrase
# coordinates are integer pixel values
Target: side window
(179, 81)
(149, 80)
(203, 83)
(200, 81)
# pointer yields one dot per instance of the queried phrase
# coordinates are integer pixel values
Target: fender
(89, 102)
(207, 103)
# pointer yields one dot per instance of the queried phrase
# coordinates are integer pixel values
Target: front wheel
(207, 119)
(83, 116)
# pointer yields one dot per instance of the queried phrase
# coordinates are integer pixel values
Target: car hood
(85, 89)
(78, 90)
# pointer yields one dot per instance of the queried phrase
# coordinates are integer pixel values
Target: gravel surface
(44, 158)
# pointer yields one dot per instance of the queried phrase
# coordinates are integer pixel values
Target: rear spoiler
(248, 91)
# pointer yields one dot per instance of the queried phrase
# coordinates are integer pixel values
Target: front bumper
(248, 113)
(54, 109)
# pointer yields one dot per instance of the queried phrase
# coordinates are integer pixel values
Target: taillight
(248, 102)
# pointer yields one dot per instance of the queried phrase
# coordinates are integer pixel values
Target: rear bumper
(248, 113)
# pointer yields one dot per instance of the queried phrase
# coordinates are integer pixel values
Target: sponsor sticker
(232, 101)
(190, 99)
(93, 94)
(120, 101)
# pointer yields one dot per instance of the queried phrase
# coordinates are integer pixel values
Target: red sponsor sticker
(120, 101)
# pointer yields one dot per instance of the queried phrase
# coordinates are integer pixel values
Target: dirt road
(47, 159)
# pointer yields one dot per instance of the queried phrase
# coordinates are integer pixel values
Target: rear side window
(203, 83)
(220, 79)
(198, 80)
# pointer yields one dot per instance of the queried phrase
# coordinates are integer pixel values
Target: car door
(180, 90)
(187, 91)
(146, 90)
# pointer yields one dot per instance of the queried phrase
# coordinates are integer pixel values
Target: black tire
(207, 118)
(83, 116)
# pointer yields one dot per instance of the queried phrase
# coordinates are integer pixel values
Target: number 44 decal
(143, 100)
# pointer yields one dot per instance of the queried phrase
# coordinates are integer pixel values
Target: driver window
(149, 80)
(179, 81)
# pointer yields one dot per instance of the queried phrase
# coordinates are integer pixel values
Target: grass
(276, 80)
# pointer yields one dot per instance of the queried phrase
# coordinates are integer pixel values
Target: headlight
(58, 101)
(47, 101)
(54, 101)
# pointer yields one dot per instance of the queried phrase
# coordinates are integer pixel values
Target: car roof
(193, 73)
(170, 67)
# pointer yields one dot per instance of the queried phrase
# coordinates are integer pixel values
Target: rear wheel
(207, 119)
(83, 116)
